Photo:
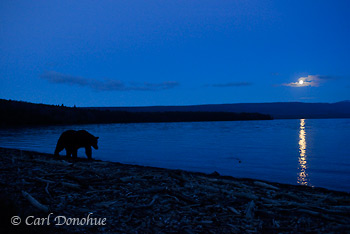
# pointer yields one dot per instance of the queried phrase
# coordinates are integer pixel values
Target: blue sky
(139, 53)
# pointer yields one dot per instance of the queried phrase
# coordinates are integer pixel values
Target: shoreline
(142, 199)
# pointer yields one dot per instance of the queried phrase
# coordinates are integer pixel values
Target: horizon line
(208, 104)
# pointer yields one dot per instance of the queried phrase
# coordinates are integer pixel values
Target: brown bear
(73, 140)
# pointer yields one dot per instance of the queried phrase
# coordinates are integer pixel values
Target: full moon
(301, 82)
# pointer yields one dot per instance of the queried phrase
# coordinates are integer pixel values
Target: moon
(301, 82)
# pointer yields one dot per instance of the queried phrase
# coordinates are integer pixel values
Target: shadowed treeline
(278, 110)
(23, 113)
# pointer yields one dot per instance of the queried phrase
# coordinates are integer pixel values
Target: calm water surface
(308, 152)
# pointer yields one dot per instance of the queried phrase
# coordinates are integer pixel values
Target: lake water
(312, 152)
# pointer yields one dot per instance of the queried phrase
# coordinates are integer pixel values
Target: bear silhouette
(73, 140)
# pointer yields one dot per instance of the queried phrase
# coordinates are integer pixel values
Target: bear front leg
(68, 152)
(88, 152)
(58, 150)
(75, 153)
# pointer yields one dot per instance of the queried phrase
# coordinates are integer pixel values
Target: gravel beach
(59, 195)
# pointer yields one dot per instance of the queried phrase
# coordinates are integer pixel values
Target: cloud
(58, 78)
(307, 98)
(310, 80)
(106, 84)
(275, 74)
(231, 84)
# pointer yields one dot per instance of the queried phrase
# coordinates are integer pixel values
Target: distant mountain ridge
(278, 110)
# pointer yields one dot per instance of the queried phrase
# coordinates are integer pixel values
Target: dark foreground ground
(136, 199)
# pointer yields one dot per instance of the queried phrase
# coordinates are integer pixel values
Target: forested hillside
(23, 113)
